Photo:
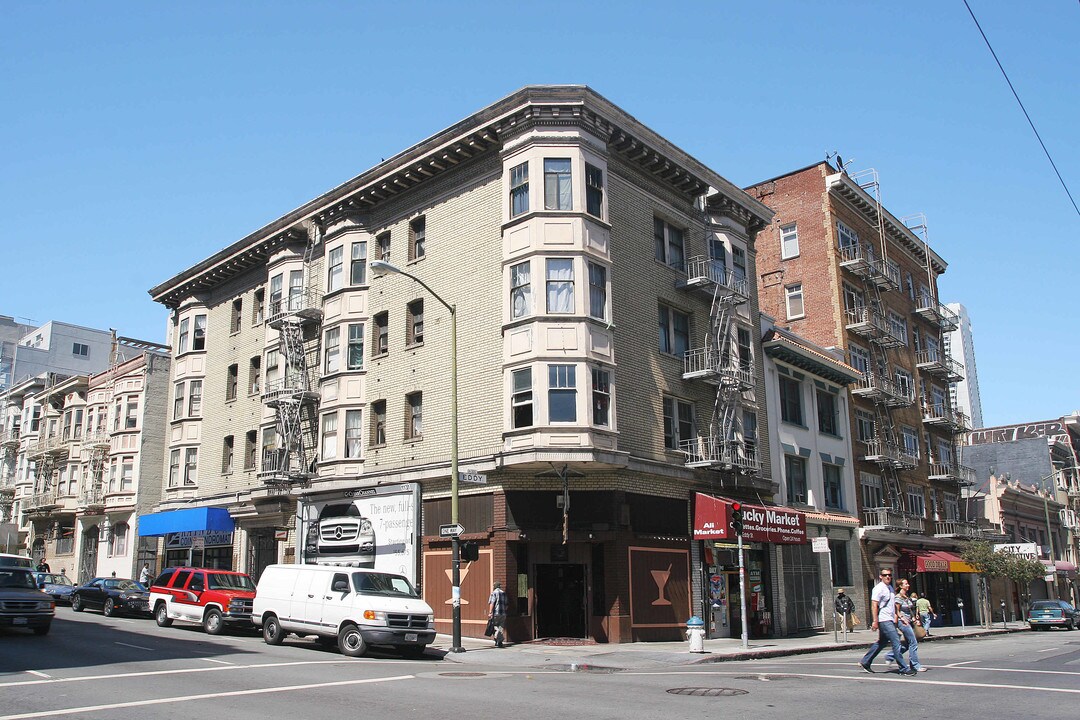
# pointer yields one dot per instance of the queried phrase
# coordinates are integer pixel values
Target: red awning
(938, 561)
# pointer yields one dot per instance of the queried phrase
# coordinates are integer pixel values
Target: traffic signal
(470, 551)
(736, 517)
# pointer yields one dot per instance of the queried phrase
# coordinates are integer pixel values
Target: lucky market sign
(712, 521)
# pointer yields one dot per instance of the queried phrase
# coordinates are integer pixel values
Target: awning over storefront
(1060, 567)
(712, 521)
(938, 561)
(202, 519)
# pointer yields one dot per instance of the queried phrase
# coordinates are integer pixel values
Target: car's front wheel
(350, 641)
(273, 633)
(161, 615)
(213, 623)
(109, 608)
(76, 603)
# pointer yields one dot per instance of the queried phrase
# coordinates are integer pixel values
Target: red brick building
(839, 269)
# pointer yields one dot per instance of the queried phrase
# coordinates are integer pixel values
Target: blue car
(59, 586)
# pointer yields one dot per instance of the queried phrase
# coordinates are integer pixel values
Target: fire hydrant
(695, 633)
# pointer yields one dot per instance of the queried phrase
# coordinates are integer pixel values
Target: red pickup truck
(214, 598)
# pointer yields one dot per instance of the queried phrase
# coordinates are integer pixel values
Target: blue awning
(201, 519)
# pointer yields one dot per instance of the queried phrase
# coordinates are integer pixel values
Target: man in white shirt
(883, 610)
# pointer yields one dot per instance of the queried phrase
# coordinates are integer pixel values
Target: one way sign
(451, 530)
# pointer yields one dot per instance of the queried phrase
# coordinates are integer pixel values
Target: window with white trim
(520, 290)
(354, 359)
(864, 425)
(378, 423)
(191, 466)
(916, 501)
(558, 188)
(353, 432)
(594, 190)
(911, 440)
(335, 275)
(358, 264)
(198, 335)
(182, 337)
(846, 237)
(414, 416)
(601, 397)
(521, 398)
(674, 331)
(329, 436)
(414, 323)
(795, 477)
(789, 241)
(174, 468)
(195, 399)
(597, 291)
(417, 238)
(519, 189)
(833, 485)
(872, 493)
(860, 358)
(793, 298)
(332, 350)
(560, 285)
(791, 409)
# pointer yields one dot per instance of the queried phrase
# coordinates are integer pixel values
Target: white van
(22, 561)
(350, 606)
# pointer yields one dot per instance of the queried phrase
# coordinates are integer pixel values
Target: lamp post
(455, 578)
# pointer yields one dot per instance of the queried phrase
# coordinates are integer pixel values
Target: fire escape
(865, 315)
(938, 412)
(297, 316)
(9, 452)
(46, 452)
(722, 362)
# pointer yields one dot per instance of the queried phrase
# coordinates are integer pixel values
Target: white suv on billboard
(341, 535)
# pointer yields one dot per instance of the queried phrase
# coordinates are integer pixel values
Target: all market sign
(712, 521)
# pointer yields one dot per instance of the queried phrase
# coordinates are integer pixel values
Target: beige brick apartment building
(841, 270)
(609, 369)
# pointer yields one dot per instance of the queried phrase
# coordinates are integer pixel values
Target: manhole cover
(708, 692)
(584, 668)
(462, 674)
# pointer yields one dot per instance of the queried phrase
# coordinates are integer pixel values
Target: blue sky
(139, 138)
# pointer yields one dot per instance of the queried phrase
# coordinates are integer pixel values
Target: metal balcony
(707, 364)
(304, 307)
(930, 309)
(943, 416)
(41, 502)
(887, 277)
(855, 259)
(710, 276)
(93, 498)
(866, 322)
(956, 529)
(712, 452)
(890, 454)
(10, 436)
(53, 445)
(939, 365)
(279, 468)
(882, 389)
(887, 518)
(960, 474)
(97, 438)
(296, 387)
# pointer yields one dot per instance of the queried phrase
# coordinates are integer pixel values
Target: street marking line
(213, 660)
(187, 698)
(884, 676)
(955, 666)
(137, 647)
(1048, 650)
(964, 662)
(181, 671)
(39, 674)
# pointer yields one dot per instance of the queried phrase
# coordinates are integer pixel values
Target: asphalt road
(90, 666)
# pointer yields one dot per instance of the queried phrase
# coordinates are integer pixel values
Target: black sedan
(112, 595)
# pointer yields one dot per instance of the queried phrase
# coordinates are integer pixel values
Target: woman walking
(906, 622)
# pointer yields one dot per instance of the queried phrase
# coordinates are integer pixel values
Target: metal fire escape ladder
(886, 435)
(724, 428)
(296, 396)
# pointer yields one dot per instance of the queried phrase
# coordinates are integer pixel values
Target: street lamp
(455, 645)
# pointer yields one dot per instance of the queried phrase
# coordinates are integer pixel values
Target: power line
(1021, 104)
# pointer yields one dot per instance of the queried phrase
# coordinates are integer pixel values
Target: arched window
(118, 542)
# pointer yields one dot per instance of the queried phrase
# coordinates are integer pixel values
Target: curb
(784, 652)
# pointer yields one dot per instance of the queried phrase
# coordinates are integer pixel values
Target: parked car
(354, 608)
(112, 596)
(341, 536)
(215, 598)
(9, 560)
(22, 605)
(1045, 614)
(55, 584)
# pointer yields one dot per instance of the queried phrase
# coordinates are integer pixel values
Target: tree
(1023, 571)
(990, 564)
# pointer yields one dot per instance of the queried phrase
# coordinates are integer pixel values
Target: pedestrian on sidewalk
(906, 622)
(845, 608)
(144, 574)
(497, 612)
(883, 610)
(925, 611)
(43, 566)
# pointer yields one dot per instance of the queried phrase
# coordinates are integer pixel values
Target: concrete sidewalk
(641, 655)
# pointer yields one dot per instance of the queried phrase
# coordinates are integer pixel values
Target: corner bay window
(601, 390)
(558, 194)
(597, 291)
(336, 274)
(521, 399)
(519, 189)
(520, 291)
(594, 190)
(560, 285)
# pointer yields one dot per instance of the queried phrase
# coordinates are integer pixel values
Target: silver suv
(341, 536)
(22, 605)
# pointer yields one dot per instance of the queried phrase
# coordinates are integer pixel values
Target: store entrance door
(560, 601)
